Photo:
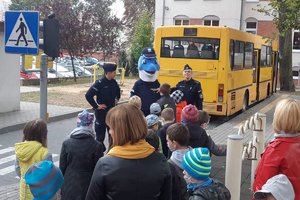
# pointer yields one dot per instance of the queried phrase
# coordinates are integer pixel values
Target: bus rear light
(220, 92)
(219, 108)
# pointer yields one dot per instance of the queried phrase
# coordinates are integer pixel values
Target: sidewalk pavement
(29, 111)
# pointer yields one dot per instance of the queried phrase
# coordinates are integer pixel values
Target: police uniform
(107, 92)
(192, 90)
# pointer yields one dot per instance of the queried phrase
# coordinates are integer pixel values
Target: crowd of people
(165, 154)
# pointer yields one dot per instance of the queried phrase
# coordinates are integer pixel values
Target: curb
(20, 126)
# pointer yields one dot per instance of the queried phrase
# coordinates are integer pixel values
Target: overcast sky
(117, 7)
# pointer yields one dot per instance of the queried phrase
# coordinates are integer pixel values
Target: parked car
(90, 61)
(28, 75)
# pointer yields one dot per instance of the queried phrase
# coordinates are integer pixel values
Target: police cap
(148, 52)
(187, 67)
(109, 67)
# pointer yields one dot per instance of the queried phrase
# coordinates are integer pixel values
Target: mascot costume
(147, 86)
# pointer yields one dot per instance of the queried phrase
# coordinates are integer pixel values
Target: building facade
(238, 14)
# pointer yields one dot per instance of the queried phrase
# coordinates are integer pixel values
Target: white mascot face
(148, 65)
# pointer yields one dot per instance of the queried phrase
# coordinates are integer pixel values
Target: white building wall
(228, 11)
(250, 10)
(9, 79)
(296, 58)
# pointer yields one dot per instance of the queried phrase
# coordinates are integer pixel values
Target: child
(178, 138)
(281, 154)
(165, 100)
(277, 188)
(197, 166)
(79, 156)
(214, 149)
(31, 150)
(198, 136)
(177, 96)
(136, 101)
(152, 124)
(167, 118)
(153, 139)
(44, 176)
(155, 109)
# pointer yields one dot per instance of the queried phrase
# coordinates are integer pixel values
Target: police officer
(191, 88)
(107, 92)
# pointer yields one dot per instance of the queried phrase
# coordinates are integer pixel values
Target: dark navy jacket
(145, 90)
(107, 91)
(192, 92)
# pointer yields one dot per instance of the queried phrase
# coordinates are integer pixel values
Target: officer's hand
(157, 90)
(102, 107)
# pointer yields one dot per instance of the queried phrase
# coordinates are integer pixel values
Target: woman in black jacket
(131, 170)
(78, 158)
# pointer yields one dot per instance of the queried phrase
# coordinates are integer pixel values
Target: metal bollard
(258, 140)
(234, 165)
(95, 72)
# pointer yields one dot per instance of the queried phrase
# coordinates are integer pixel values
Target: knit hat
(155, 108)
(85, 118)
(197, 163)
(177, 96)
(44, 180)
(279, 186)
(190, 113)
(152, 119)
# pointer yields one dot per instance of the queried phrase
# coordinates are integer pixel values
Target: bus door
(256, 71)
(275, 71)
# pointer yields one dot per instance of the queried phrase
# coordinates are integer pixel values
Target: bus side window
(166, 51)
(207, 52)
(178, 51)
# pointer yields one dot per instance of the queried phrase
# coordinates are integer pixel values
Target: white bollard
(234, 165)
(258, 140)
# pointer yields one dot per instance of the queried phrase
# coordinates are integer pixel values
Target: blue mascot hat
(109, 67)
(148, 52)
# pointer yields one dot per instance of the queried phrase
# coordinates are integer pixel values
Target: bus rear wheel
(245, 102)
(268, 90)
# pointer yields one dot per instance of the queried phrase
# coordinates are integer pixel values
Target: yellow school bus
(235, 68)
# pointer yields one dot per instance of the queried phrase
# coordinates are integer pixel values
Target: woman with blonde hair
(132, 169)
(281, 156)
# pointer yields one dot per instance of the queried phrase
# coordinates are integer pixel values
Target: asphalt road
(57, 133)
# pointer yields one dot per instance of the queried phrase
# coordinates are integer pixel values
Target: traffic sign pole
(43, 87)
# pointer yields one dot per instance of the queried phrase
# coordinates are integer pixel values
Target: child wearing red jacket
(281, 156)
(177, 95)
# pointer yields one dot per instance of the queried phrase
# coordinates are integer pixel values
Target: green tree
(133, 11)
(143, 37)
(85, 26)
(286, 16)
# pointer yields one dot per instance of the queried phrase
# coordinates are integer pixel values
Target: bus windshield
(190, 47)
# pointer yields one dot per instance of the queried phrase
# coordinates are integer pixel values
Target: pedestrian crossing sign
(22, 32)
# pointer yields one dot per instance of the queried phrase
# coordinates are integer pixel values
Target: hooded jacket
(27, 154)
(281, 156)
(131, 172)
(79, 155)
